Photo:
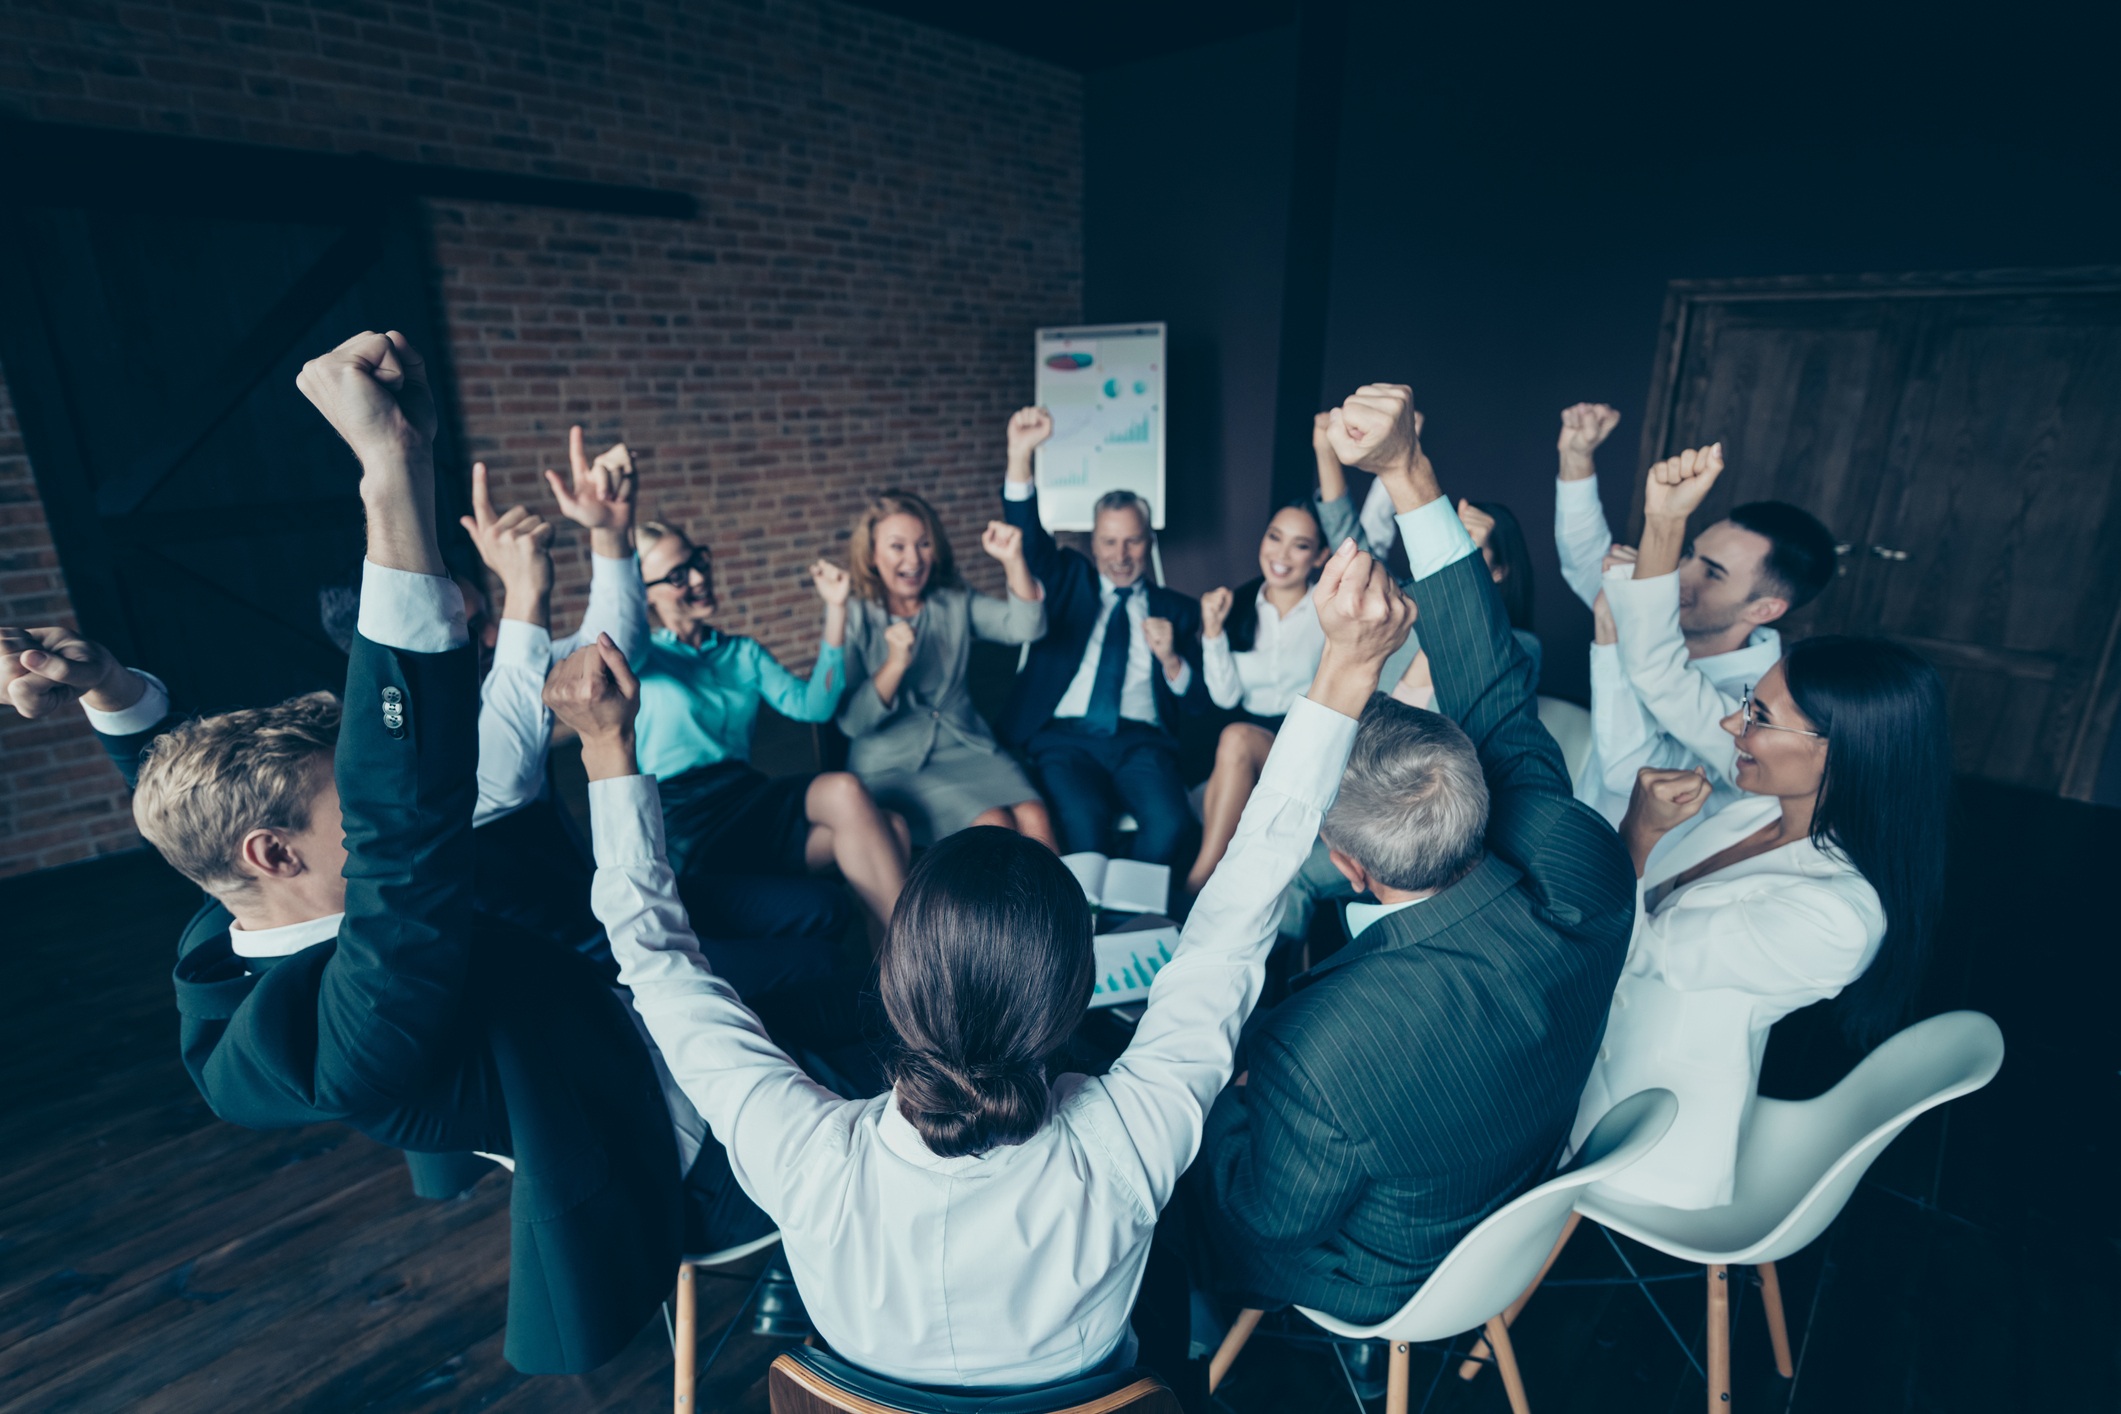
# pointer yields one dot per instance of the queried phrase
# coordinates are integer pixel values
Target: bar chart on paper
(1127, 963)
(1105, 389)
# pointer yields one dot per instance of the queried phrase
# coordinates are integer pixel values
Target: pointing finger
(481, 498)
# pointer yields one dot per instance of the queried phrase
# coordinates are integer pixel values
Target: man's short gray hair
(1413, 806)
(1124, 501)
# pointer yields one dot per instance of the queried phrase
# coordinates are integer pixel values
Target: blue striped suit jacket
(1428, 1072)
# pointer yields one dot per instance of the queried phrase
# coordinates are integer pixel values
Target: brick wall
(886, 213)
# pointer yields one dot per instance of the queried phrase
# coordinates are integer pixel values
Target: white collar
(902, 1139)
(1362, 915)
(1267, 610)
(1761, 651)
(286, 939)
(1108, 589)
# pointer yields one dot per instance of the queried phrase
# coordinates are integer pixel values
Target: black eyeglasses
(681, 577)
(1751, 717)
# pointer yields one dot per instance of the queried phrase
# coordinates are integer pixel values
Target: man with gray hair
(1428, 1071)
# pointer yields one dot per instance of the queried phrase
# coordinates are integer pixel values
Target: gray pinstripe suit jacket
(1428, 1072)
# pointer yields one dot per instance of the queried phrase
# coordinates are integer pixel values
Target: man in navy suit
(1096, 705)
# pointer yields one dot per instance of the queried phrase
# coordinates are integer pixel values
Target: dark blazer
(431, 1028)
(1428, 1071)
(1073, 607)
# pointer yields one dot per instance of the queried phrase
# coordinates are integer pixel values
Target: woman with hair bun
(986, 1222)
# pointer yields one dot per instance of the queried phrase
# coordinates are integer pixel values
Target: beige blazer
(1709, 970)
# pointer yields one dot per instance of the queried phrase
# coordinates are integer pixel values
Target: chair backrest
(1493, 1264)
(1803, 1158)
(1570, 726)
(807, 1380)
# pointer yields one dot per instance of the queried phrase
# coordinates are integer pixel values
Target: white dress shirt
(1014, 1267)
(1278, 667)
(515, 728)
(1137, 697)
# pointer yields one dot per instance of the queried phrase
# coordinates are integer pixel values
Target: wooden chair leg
(1226, 1354)
(685, 1336)
(1396, 1378)
(1719, 1338)
(1506, 1366)
(1478, 1357)
(1778, 1329)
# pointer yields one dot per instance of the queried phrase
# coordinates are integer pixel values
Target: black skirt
(732, 818)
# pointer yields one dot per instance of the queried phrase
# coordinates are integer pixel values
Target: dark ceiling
(1093, 34)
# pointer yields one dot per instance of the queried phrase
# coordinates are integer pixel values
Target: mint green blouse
(698, 705)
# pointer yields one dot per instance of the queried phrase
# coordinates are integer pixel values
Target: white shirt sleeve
(1018, 490)
(1686, 705)
(757, 1101)
(1181, 683)
(515, 727)
(1219, 666)
(1581, 535)
(1185, 1045)
(1798, 939)
(1377, 521)
(1624, 734)
(413, 613)
(152, 707)
(618, 605)
(1435, 537)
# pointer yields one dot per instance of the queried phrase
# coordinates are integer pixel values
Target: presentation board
(1104, 385)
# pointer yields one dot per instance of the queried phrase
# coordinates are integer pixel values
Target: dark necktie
(1103, 716)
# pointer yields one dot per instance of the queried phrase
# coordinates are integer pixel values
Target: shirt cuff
(1018, 490)
(1578, 498)
(1310, 752)
(1185, 679)
(152, 707)
(602, 568)
(413, 613)
(625, 821)
(522, 644)
(1434, 536)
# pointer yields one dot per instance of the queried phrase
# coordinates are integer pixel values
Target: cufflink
(394, 712)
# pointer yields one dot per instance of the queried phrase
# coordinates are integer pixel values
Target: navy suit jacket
(433, 1028)
(1074, 604)
(1428, 1072)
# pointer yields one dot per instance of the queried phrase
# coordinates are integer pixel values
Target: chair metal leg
(1479, 1355)
(1226, 1353)
(1778, 1329)
(1506, 1365)
(685, 1337)
(1719, 1338)
(1397, 1378)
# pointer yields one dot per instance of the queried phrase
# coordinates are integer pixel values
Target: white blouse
(1276, 670)
(1014, 1267)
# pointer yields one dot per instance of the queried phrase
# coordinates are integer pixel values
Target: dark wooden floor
(155, 1259)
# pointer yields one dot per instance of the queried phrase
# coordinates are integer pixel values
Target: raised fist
(600, 497)
(516, 545)
(1003, 541)
(898, 643)
(1664, 800)
(1214, 611)
(1584, 427)
(44, 669)
(594, 691)
(831, 582)
(1377, 429)
(1361, 610)
(1478, 523)
(1677, 486)
(1162, 639)
(373, 390)
(1027, 428)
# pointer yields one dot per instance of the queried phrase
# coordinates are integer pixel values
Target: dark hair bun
(959, 1111)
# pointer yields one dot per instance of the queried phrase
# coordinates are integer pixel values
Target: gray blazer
(934, 695)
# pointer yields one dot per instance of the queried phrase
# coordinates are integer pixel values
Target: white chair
(1570, 726)
(1797, 1165)
(1495, 1262)
(685, 1330)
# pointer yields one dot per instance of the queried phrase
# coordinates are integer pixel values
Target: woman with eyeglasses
(700, 696)
(1822, 880)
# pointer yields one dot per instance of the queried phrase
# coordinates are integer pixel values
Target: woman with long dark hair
(1822, 881)
(986, 1222)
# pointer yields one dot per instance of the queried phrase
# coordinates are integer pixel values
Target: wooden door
(1962, 436)
(202, 511)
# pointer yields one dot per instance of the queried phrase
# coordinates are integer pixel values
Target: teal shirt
(698, 705)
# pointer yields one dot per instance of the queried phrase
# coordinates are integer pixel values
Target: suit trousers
(1090, 777)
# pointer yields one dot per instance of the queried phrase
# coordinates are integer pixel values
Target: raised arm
(1028, 428)
(601, 499)
(1020, 615)
(1217, 660)
(1581, 535)
(757, 1101)
(812, 699)
(1182, 1051)
(514, 727)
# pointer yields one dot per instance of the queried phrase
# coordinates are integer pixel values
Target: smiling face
(1719, 580)
(905, 555)
(687, 605)
(1784, 763)
(1291, 550)
(1119, 542)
